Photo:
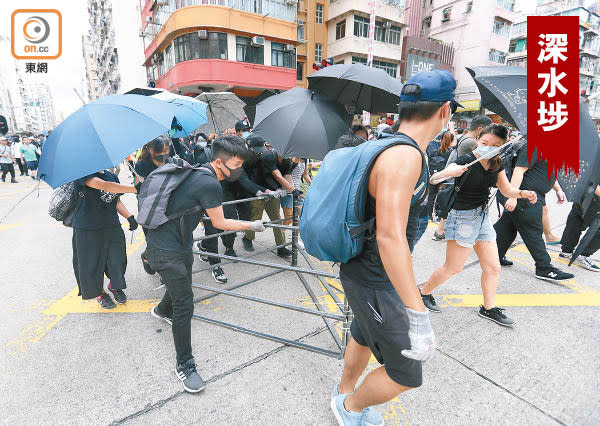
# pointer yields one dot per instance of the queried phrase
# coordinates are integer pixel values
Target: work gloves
(257, 226)
(132, 223)
(422, 340)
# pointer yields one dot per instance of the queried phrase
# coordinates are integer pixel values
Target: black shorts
(381, 323)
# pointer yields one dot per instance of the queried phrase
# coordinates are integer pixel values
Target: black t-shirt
(536, 177)
(199, 189)
(475, 189)
(267, 164)
(97, 209)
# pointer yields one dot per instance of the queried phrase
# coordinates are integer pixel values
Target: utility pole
(79, 96)
(366, 117)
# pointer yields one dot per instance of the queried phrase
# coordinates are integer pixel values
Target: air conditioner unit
(257, 41)
(202, 34)
(289, 47)
(388, 25)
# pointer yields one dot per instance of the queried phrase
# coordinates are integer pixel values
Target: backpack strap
(193, 209)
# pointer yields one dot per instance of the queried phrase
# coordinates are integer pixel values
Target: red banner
(553, 91)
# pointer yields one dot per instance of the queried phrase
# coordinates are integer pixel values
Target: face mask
(245, 134)
(234, 174)
(483, 150)
(202, 144)
(160, 158)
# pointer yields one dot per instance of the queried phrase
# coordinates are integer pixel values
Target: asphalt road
(67, 362)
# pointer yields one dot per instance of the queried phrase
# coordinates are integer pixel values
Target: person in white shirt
(19, 158)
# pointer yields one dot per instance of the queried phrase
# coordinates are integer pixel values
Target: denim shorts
(287, 202)
(466, 227)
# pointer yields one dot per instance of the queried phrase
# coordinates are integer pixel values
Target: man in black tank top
(390, 320)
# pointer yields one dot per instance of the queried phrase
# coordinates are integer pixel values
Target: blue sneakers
(343, 416)
(371, 416)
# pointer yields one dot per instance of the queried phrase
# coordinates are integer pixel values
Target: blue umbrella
(101, 134)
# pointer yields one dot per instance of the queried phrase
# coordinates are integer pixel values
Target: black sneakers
(496, 315)
(230, 252)
(438, 237)
(105, 301)
(247, 244)
(154, 312)
(505, 262)
(429, 302)
(553, 274)
(147, 267)
(198, 245)
(120, 297)
(192, 382)
(219, 275)
(13, 181)
(284, 253)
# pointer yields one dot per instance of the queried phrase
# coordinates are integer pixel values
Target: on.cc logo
(36, 29)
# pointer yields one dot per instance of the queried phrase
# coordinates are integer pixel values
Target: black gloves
(132, 223)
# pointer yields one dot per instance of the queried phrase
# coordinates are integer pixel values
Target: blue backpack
(332, 222)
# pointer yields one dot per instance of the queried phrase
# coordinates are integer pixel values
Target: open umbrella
(3, 125)
(503, 90)
(301, 123)
(365, 88)
(190, 113)
(101, 134)
(250, 108)
(224, 109)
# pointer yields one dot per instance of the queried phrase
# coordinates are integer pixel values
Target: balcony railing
(280, 9)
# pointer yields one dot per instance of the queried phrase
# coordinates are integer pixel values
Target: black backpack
(437, 162)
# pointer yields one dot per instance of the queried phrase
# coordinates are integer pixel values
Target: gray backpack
(155, 191)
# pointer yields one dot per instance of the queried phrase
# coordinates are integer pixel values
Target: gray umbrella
(300, 123)
(366, 88)
(223, 111)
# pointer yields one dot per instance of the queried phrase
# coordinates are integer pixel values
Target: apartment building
(312, 17)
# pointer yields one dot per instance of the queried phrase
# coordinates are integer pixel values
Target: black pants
(576, 224)
(22, 166)
(433, 190)
(175, 270)
(527, 220)
(212, 244)
(8, 168)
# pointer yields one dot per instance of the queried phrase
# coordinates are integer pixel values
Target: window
(300, 29)
(395, 35)
(299, 70)
(340, 30)
(319, 13)
(169, 58)
(391, 69)
(446, 14)
(519, 28)
(361, 26)
(501, 28)
(506, 4)
(245, 52)
(190, 46)
(497, 56)
(161, 64)
(281, 56)
(318, 52)
(517, 45)
(379, 31)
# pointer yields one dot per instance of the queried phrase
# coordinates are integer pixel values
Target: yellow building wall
(313, 33)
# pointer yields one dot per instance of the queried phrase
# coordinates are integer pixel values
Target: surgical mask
(202, 144)
(234, 174)
(245, 134)
(483, 150)
(161, 158)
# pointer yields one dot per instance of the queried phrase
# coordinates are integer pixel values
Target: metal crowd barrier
(344, 316)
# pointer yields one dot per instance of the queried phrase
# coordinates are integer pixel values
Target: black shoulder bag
(445, 198)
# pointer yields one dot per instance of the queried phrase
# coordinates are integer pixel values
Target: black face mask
(234, 174)
(161, 158)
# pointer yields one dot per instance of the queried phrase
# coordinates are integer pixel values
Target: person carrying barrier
(169, 246)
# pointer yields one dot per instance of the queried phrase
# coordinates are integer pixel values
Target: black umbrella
(301, 123)
(503, 90)
(3, 125)
(144, 91)
(250, 108)
(366, 88)
(223, 111)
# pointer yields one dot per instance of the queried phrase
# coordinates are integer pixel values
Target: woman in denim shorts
(468, 225)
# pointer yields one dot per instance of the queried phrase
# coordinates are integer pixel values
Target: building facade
(195, 46)
(91, 75)
(312, 19)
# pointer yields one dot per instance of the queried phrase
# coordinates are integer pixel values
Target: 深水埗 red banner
(553, 91)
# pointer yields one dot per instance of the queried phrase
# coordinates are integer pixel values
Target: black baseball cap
(256, 143)
(242, 125)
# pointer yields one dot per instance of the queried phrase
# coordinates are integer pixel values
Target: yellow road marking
(7, 226)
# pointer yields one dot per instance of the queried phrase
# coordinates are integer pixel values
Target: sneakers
(247, 244)
(496, 315)
(284, 253)
(505, 262)
(553, 274)
(438, 237)
(584, 261)
(230, 252)
(371, 416)
(154, 312)
(219, 275)
(13, 181)
(429, 302)
(343, 416)
(198, 246)
(192, 382)
(119, 295)
(105, 301)
(147, 267)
